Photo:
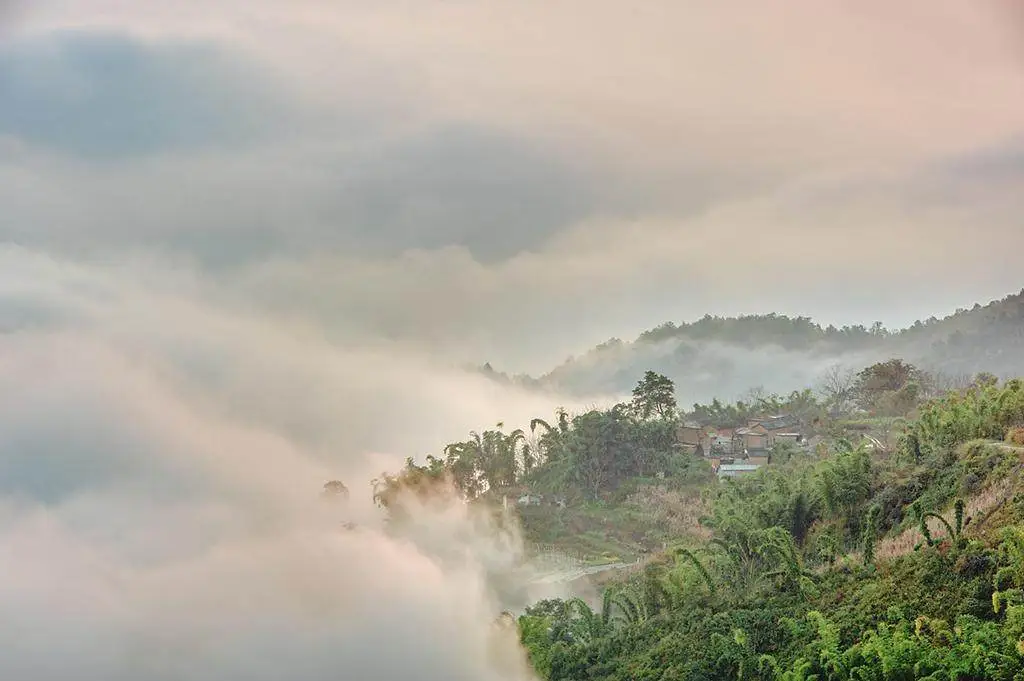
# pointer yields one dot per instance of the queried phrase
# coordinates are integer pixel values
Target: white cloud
(194, 339)
(162, 462)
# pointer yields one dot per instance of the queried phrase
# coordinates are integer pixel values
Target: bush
(1015, 436)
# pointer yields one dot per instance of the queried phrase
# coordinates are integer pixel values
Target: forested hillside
(717, 356)
(891, 549)
(850, 564)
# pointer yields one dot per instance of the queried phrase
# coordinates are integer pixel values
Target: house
(732, 470)
(775, 424)
(723, 441)
(762, 434)
(690, 435)
(790, 437)
(755, 439)
(708, 441)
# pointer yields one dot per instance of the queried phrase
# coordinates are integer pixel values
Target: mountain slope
(724, 357)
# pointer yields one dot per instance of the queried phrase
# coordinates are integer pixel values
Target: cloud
(163, 458)
(108, 96)
(561, 160)
(246, 245)
(308, 605)
(490, 193)
(494, 194)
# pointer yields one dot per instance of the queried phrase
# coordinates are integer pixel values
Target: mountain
(724, 357)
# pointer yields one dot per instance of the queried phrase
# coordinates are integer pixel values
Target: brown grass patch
(1015, 436)
(678, 513)
(977, 510)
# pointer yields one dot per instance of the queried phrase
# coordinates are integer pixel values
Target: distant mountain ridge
(725, 356)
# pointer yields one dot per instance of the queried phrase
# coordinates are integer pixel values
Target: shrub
(1015, 436)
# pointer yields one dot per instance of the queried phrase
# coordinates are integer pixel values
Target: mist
(247, 248)
(162, 463)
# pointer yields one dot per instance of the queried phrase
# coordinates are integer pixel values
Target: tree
(870, 529)
(597, 445)
(421, 483)
(655, 395)
(953, 531)
(335, 489)
(891, 387)
(550, 444)
(587, 625)
(462, 459)
(836, 388)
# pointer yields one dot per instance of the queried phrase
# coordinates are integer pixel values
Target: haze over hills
(723, 357)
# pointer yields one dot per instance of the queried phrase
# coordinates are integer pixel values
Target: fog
(160, 478)
(701, 370)
(245, 248)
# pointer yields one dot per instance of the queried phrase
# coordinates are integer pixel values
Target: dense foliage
(854, 560)
(586, 454)
(805, 576)
(802, 404)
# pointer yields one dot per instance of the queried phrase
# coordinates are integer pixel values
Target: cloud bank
(159, 494)
(516, 187)
(244, 246)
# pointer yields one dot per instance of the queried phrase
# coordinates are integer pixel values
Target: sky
(514, 182)
(246, 245)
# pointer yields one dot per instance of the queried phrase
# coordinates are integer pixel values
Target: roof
(738, 467)
(776, 422)
(728, 470)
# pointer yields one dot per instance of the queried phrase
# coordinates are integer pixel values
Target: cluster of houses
(730, 451)
(736, 451)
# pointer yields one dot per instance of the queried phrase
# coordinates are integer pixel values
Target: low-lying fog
(246, 245)
(160, 478)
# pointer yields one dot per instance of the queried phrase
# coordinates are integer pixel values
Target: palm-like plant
(780, 552)
(631, 607)
(954, 530)
(463, 462)
(699, 566)
(586, 625)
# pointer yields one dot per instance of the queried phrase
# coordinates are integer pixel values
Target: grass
(985, 475)
(647, 516)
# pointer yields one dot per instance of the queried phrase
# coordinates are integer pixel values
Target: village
(738, 451)
(731, 452)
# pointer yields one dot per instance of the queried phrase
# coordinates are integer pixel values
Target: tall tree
(837, 389)
(655, 395)
(892, 386)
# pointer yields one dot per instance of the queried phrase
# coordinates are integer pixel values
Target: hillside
(723, 357)
(851, 564)
(890, 549)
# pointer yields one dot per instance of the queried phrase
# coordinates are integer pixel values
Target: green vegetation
(894, 550)
(624, 485)
(586, 456)
(809, 573)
